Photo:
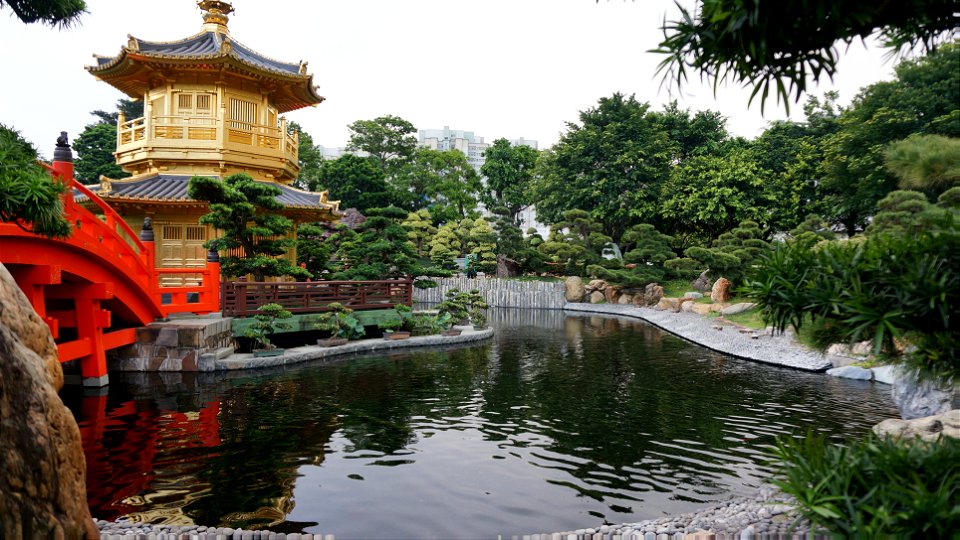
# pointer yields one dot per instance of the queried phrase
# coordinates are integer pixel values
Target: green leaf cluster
(873, 488)
(267, 324)
(247, 213)
(29, 196)
(340, 322)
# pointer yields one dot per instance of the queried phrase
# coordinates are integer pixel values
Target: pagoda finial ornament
(216, 11)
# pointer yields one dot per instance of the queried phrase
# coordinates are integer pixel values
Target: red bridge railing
(242, 298)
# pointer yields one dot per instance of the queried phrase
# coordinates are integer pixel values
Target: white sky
(499, 68)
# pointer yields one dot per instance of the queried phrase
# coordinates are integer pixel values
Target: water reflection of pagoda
(212, 107)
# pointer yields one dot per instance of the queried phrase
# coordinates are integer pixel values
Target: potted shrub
(266, 324)
(455, 303)
(478, 309)
(341, 324)
(400, 327)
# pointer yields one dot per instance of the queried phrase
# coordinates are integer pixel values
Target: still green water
(558, 423)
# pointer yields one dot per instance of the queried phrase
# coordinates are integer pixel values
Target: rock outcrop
(42, 467)
(652, 294)
(574, 289)
(928, 428)
(721, 291)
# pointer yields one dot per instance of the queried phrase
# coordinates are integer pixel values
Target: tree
(509, 172)
(357, 182)
(907, 214)
(58, 13)
(446, 246)
(245, 211)
(443, 182)
(649, 250)
(95, 147)
(388, 139)
(709, 194)
(703, 133)
(777, 46)
(612, 165)
(309, 157)
(928, 163)
(29, 196)
(482, 243)
(378, 249)
(421, 231)
(314, 248)
(921, 99)
(575, 242)
(130, 109)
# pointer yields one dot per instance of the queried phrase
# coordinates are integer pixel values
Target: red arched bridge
(95, 288)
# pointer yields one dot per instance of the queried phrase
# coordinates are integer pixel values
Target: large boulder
(597, 297)
(611, 294)
(918, 397)
(652, 294)
(702, 283)
(928, 428)
(574, 290)
(721, 291)
(737, 308)
(42, 468)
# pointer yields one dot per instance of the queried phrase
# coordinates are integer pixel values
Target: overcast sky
(499, 68)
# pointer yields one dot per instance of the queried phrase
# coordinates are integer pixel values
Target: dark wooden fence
(243, 298)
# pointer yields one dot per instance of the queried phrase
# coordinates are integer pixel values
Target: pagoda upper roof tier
(213, 50)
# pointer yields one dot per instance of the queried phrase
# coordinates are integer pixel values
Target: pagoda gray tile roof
(163, 187)
(205, 45)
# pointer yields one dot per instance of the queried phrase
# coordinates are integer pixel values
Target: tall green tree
(246, 211)
(357, 182)
(131, 109)
(377, 249)
(95, 147)
(703, 132)
(58, 13)
(420, 231)
(922, 99)
(389, 139)
(309, 157)
(508, 171)
(29, 196)
(613, 165)
(443, 182)
(776, 47)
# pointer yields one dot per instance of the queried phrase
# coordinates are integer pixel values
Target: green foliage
(509, 172)
(854, 178)
(574, 243)
(129, 108)
(266, 325)
(420, 231)
(28, 194)
(95, 147)
(443, 182)
(612, 165)
(481, 243)
(313, 248)
(340, 322)
(446, 246)
(459, 305)
(772, 48)
(928, 163)
(246, 211)
(309, 157)
(812, 230)
(56, 13)
(377, 249)
(649, 250)
(906, 213)
(874, 488)
(389, 140)
(708, 195)
(357, 182)
(883, 288)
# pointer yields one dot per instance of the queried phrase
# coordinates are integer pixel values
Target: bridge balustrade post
(149, 255)
(211, 285)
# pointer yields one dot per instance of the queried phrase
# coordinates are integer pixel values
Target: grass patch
(548, 279)
(676, 287)
(751, 319)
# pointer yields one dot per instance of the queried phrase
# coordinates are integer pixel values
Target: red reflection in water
(121, 447)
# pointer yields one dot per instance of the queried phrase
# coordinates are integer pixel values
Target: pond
(558, 423)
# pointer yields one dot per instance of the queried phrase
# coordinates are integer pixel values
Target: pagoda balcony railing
(205, 132)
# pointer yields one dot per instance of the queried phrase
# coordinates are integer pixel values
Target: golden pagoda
(212, 107)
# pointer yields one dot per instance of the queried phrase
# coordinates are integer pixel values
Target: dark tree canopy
(246, 211)
(776, 46)
(309, 156)
(388, 139)
(509, 173)
(61, 13)
(95, 147)
(357, 182)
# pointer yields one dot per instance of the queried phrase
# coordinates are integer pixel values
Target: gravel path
(759, 345)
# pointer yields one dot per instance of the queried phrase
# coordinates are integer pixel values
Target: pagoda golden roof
(142, 64)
